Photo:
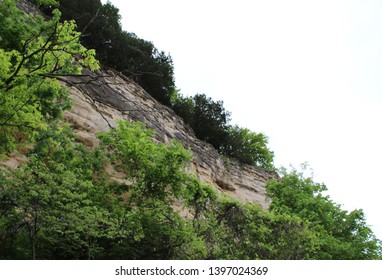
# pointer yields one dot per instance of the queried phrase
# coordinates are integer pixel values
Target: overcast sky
(305, 73)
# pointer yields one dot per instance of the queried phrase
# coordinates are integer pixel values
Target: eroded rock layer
(101, 99)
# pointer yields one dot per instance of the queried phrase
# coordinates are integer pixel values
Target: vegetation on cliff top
(153, 70)
(62, 204)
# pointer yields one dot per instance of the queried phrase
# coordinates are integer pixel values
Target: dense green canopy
(34, 53)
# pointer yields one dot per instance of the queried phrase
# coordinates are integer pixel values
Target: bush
(248, 147)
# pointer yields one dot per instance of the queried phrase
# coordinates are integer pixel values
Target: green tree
(232, 230)
(56, 205)
(184, 107)
(248, 147)
(34, 53)
(99, 24)
(210, 120)
(207, 118)
(342, 235)
(155, 170)
(121, 50)
(61, 204)
(155, 176)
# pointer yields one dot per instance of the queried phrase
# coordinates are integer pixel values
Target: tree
(184, 107)
(121, 50)
(342, 235)
(154, 169)
(34, 53)
(156, 176)
(62, 205)
(99, 25)
(207, 118)
(210, 120)
(55, 205)
(232, 230)
(248, 147)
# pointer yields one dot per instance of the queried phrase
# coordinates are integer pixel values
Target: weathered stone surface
(101, 99)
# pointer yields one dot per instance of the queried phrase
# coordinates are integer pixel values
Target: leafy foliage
(62, 204)
(248, 147)
(231, 230)
(155, 170)
(34, 53)
(121, 50)
(145, 64)
(54, 204)
(210, 122)
(206, 117)
(342, 235)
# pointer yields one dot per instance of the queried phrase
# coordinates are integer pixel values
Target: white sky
(306, 73)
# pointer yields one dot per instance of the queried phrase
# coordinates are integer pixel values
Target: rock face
(103, 98)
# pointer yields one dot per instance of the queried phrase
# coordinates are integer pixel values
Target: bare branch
(90, 22)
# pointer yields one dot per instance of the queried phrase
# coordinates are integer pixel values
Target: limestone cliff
(101, 99)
